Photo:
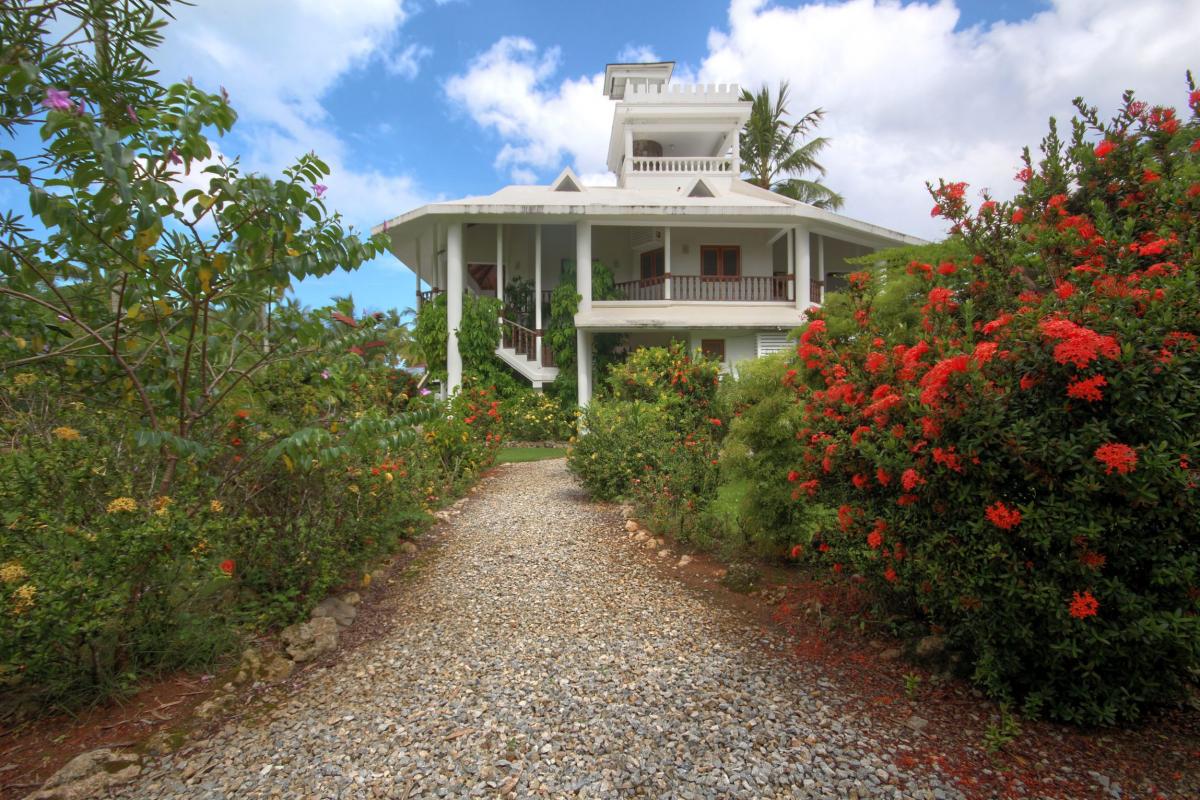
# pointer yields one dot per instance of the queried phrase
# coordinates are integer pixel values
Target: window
(653, 263)
(719, 262)
(713, 348)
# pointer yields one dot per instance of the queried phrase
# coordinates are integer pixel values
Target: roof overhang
(618, 76)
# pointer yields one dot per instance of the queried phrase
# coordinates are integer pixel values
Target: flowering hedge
(1023, 473)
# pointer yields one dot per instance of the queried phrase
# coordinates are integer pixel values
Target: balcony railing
(743, 289)
(524, 341)
(683, 165)
(816, 291)
(425, 297)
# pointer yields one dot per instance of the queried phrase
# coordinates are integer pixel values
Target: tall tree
(775, 154)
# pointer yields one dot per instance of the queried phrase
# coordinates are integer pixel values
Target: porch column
(454, 305)
(627, 164)
(500, 265)
(583, 353)
(793, 290)
(803, 268)
(736, 167)
(667, 263)
(820, 266)
(417, 287)
(537, 289)
(583, 264)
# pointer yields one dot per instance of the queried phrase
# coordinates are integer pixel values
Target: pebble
(538, 654)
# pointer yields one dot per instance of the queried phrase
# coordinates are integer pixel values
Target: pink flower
(173, 157)
(58, 100)
(133, 117)
(319, 189)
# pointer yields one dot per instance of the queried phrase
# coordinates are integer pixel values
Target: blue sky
(419, 100)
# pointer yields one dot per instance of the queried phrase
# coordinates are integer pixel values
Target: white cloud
(908, 97)
(637, 54)
(509, 89)
(278, 82)
(407, 62)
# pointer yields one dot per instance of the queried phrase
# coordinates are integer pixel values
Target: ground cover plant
(1019, 471)
(185, 455)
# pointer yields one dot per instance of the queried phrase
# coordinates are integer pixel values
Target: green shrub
(654, 438)
(531, 416)
(1023, 473)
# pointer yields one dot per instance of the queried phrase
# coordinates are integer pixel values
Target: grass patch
(514, 455)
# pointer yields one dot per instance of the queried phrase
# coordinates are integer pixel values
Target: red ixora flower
(797, 551)
(1002, 516)
(1116, 456)
(1083, 605)
(1087, 389)
(911, 479)
(1104, 148)
(227, 566)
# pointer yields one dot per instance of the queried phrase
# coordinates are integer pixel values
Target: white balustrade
(682, 165)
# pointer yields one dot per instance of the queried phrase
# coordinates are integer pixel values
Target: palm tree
(774, 154)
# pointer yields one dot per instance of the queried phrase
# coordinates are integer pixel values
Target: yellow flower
(122, 504)
(12, 572)
(24, 379)
(23, 598)
(353, 488)
(387, 476)
(162, 505)
(66, 434)
(216, 506)
(201, 547)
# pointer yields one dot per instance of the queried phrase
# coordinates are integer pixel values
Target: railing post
(537, 286)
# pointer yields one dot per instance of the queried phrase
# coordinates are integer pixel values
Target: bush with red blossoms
(1021, 468)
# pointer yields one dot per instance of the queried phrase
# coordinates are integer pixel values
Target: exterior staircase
(518, 348)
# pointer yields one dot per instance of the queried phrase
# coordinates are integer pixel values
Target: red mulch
(1159, 758)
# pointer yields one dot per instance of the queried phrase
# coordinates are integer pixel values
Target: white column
(627, 164)
(537, 287)
(583, 264)
(583, 345)
(667, 263)
(417, 299)
(737, 154)
(790, 239)
(454, 304)
(500, 262)
(803, 268)
(821, 265)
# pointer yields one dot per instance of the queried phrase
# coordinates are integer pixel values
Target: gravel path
(539, 654)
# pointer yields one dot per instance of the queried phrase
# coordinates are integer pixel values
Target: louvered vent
(771, 343)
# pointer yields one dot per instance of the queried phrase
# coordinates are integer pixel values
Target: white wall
(612, 245)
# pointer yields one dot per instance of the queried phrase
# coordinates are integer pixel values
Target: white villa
(697, 253)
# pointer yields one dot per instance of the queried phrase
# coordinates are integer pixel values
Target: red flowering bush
(1020, 470)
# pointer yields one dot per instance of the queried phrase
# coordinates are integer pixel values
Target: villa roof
(737, 201)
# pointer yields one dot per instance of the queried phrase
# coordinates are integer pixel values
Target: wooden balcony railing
(644, 289)
(524, 341)
(743, 289)
(425, 297)
(816, 291)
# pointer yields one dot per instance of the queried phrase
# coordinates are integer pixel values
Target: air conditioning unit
(644, 239)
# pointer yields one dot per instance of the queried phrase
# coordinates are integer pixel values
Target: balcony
(682, 165)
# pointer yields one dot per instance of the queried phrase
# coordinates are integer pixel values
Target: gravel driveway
(539, 654)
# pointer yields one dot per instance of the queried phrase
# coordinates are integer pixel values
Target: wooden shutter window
(719, 262)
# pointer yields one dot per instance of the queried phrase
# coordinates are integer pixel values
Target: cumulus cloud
(909, 95)
(512, 89)
(637, 54)
(278, 83)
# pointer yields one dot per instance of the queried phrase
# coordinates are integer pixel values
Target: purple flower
(425, 392)
(325, 374)
(58, 100)
(173, 156)
(320, 189)
(63, 318)
(133, 117)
